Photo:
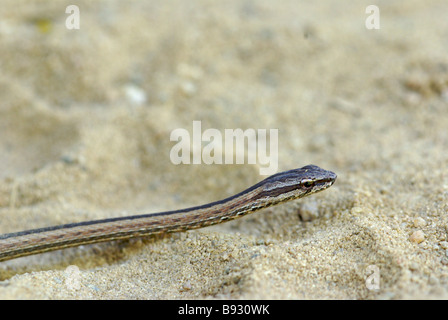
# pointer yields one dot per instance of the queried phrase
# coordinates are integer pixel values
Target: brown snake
(278, 188)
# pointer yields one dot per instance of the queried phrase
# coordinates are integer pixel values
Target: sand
(85, 123)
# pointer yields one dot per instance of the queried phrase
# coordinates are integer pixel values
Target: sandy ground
(85, 123)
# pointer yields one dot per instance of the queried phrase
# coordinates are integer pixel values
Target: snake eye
(308, 183)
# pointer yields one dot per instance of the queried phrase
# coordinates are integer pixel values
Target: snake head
(297, 183)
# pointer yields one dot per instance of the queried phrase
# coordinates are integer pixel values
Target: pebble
(414, 266)
(135, 95)
(186, 286)
(419, 222)
(356, 210)
(417, 237)
(188, 88)
(433, 280)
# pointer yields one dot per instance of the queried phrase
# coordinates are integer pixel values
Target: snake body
(278, 188)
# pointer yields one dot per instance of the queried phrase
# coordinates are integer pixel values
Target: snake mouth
(324, 183)
(331, 179)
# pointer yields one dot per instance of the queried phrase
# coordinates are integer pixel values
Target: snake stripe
(278, 188)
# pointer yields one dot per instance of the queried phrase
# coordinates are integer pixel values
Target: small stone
(414, 266)
(444, 244)
(433, 280)
(356, 210)
(417, 237)
(419, 222)
(135, 95)
(188, 88)
(186, 286)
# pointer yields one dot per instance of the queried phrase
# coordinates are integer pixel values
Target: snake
(275, 189)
